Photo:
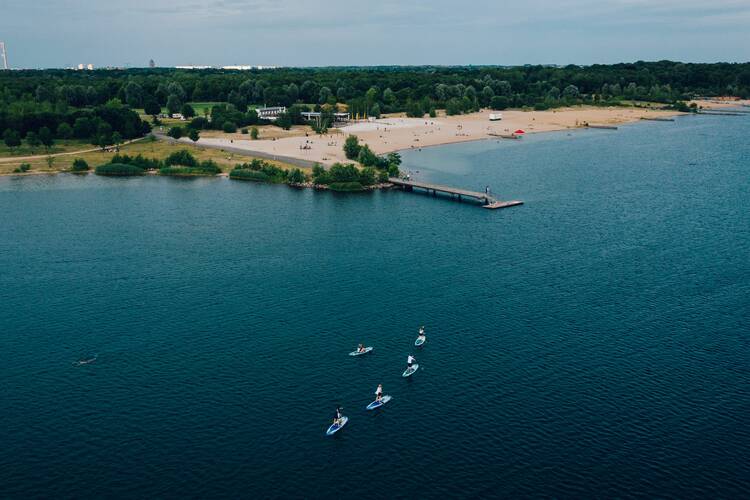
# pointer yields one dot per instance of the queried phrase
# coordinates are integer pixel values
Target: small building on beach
(311, 116)
(270, 113)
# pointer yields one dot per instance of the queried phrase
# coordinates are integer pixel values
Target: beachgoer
(337, 416)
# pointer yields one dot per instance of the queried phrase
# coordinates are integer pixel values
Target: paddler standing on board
(337, 416)
(410, 361)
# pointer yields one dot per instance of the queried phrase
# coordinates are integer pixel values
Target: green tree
(389, 97)
(194, 135)
(296, 176)
(83, 128)
(64, 131)
(394, 159)
(366, 157)
(453, 107)
(352, 147)
(116, 139)
(173, 104)
(571, 92)
(151, 107)
(499, 102)
(254, 133)
(45, 137)
(12, 139)
(133, 94)
(487, 95)
(79, 165)
(229, 127)
(103, 136)
(324, 94)
(187, 111)
(284, 121)
(367, 176)
(320, 175)
(32, 140)
(176, 132)
(414, 109)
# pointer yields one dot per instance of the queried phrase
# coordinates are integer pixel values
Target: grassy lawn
(264, 132)
(199, 107)
(59, 147)
(157, 149)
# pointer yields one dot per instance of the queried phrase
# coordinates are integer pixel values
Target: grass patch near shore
(118, 170)
(346, 187)
(186, 172)
(58, 147)
(249, 175)
(156, 150)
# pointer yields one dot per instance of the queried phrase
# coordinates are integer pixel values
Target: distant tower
(151, 64)
(4, 55)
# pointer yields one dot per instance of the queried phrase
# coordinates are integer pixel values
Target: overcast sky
(61, 33)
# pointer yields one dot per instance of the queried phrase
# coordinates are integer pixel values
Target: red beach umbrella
(519, 131)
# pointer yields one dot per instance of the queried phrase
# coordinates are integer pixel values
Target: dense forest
(98, 105)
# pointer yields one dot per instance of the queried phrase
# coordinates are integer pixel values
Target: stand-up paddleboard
(410, 371)
(378, 404)
(357, 353)
(334, 428)
(419, 341)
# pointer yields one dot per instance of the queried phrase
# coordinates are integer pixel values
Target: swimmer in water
(86, 361)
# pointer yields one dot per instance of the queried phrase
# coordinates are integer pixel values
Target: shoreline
(399, 134)
(395, 133)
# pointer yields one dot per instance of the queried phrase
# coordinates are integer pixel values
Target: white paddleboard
(357, 353)
(419, 341)
(333, 429)
(410, 371)
(378, 404)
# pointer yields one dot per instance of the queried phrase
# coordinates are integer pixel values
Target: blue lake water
(594, 342)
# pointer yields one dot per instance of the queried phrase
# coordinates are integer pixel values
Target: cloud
(330, 32)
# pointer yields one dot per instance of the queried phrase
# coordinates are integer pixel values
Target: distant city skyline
(355, 32)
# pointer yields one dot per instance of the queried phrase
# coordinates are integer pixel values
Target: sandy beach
(398, 133)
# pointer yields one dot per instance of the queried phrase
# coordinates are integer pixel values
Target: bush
(254, 133)
(199, 123)
(296, 176)
(139, 161)
(206, 168)
(248, 175)
(182, 157)
(176, 132)
(118, 169)
(352, 147)
(64, 131)
(383, 176)
(366, 157)
(269, 172)
(344, 173)
(346, 186)
(320, 175)
(499, 102)
(243, 131)
(23, 167)
(79, 165)
(367, 176)
(229, 127)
